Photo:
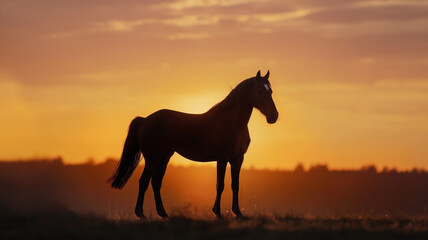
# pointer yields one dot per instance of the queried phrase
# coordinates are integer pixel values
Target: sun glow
(198, 103)
(349, 79)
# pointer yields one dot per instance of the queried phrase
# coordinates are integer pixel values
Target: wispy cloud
(186, 4)
(221, 17)
(284, 16)
(193, 20)
(191, 36)
(206, 20)
(121, 26)
(377, 3)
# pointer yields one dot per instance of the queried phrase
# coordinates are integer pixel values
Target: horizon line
(299, 167)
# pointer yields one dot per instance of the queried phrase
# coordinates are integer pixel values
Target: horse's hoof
(140, 215)
(239, 215)
(217, 214)
(163, 215)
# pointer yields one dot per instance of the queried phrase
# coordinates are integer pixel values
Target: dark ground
(68, 225)
(52, 200)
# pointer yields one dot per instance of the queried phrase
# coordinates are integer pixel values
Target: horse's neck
(236, 108)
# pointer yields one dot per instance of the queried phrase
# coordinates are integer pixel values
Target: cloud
(284, 16)
(82, 36)
(218, 17)
(187, 4)
(356, 14)
(376, 3)
(266, 17)
(191, 36)
(121, 26)
(133, 25)
(193, 20)
(257, 22)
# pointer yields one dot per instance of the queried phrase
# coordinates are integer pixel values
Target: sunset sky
(350, 78)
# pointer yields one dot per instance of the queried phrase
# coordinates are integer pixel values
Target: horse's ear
(267, 75)
(258, 74)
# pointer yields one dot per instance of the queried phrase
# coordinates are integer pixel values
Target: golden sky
(350, 78)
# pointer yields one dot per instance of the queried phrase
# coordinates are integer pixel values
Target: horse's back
(164, 127)
(171, 121)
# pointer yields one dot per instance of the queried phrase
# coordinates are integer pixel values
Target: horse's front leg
(235, 170)
(221, 169)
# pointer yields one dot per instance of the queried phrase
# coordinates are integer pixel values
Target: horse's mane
(238, 93)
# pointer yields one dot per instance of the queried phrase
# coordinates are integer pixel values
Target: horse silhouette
(221, 134)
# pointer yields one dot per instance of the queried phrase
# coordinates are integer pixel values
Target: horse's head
(261, 98)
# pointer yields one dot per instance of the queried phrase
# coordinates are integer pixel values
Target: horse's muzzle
(272, 117)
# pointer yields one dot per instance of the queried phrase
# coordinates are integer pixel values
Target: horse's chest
(236, 143)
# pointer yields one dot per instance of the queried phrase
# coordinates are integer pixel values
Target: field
(52, 200)
(68, 225)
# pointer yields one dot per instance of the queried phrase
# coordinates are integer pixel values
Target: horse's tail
(130, 158)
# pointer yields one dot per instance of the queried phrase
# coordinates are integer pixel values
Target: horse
(220, 134)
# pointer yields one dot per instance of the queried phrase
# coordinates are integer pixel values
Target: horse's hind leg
(158, 175)
(144, 183)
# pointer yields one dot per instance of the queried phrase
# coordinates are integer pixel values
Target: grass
(68, 225)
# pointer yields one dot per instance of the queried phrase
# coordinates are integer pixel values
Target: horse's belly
(198, 157)
(206, 151)
(200, 152)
